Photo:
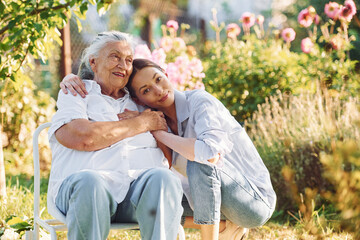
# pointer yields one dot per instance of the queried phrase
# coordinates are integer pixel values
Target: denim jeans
(153, 201)
(224, 193)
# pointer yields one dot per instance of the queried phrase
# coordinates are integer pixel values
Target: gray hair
(102, 39)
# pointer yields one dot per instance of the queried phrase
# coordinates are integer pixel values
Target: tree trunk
(2, 169)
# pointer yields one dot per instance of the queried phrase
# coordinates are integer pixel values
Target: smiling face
(152, 88)
(112, 67)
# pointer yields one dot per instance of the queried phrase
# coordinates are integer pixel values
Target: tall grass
(293, 130)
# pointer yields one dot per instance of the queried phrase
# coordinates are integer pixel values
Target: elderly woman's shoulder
(90, 84)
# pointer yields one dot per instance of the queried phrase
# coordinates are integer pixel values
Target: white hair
(102, 39)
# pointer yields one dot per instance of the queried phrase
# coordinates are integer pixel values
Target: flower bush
(23, 110)
(249, 66)
(184, 69)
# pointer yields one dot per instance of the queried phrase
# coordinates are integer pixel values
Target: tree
(29, 29)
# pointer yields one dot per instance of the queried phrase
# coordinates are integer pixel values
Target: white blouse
(120, 163)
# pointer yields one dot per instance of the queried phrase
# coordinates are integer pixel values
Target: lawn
(20, 203)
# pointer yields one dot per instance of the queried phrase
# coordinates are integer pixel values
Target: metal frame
(58, 224)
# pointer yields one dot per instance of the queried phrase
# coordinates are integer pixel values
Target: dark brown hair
(138, 64)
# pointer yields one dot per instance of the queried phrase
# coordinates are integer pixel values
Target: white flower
(10, 234)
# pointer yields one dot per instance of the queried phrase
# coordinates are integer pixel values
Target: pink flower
(159, 57)
(288, 34)
(348, 10)
(232, 30)
(166, 43)
(179, 44)
(260, 19)
(332, 10)
(317, 19)
(195, 66)
(304, 18)
(173, 73)
(248, 19)
(172, 24)
(306, 45)
(142, 51)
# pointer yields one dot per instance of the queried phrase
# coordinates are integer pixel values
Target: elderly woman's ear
(92, 64)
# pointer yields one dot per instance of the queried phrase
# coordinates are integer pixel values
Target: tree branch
(35, 12)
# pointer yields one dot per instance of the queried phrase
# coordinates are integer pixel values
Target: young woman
(223, 175)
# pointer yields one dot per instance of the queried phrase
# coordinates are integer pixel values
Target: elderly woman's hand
(74, 84)
(153, 120)
(127, 114)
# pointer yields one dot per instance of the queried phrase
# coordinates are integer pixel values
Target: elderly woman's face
(113, 66)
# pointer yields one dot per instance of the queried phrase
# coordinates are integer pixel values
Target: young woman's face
(153, 88)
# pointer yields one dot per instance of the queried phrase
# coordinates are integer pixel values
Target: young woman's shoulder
(200, 96)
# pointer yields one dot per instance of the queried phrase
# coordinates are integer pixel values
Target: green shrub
(342, 169)
(23, 110)
(242, 73)
(293, 130)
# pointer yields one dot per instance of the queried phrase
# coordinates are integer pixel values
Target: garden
(294, 89)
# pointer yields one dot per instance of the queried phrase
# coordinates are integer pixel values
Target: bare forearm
(184, 146)
(84, 135)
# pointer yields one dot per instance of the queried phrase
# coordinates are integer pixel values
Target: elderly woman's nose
(121, 63)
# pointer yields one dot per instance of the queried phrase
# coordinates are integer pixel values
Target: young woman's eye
(158, 79)
(146, 91)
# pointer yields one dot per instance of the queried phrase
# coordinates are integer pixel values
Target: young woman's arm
(74, 84)
(167, 152)
(184, 146)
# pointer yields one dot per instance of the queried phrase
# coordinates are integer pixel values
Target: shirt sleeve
(69, 108)
(209, 120)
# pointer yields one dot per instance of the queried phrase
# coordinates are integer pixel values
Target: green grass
(20, 203)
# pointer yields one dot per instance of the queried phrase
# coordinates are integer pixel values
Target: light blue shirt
(205, 118)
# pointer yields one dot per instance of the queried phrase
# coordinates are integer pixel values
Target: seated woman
(223, 175)
(105, 170)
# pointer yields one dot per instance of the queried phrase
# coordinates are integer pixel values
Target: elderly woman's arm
(84, 135)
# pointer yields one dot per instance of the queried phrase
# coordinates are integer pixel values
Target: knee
(257, 219)
(89, 181)
(166, 179)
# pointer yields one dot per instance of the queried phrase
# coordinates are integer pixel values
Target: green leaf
(79, 25)
(38, 27)
(12, 23)
(44, 15)
(2, 6)
(79, 14)
(14, 6)
(21, 226)
(84, 8)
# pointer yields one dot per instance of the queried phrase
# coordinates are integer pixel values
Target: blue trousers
(153, 201)
(224, 194)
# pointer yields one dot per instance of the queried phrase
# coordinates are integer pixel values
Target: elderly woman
(105, 170)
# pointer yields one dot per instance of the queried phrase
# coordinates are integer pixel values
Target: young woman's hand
(74, 84)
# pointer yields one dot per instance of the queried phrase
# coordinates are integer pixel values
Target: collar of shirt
(94, 86)
(182, 108)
